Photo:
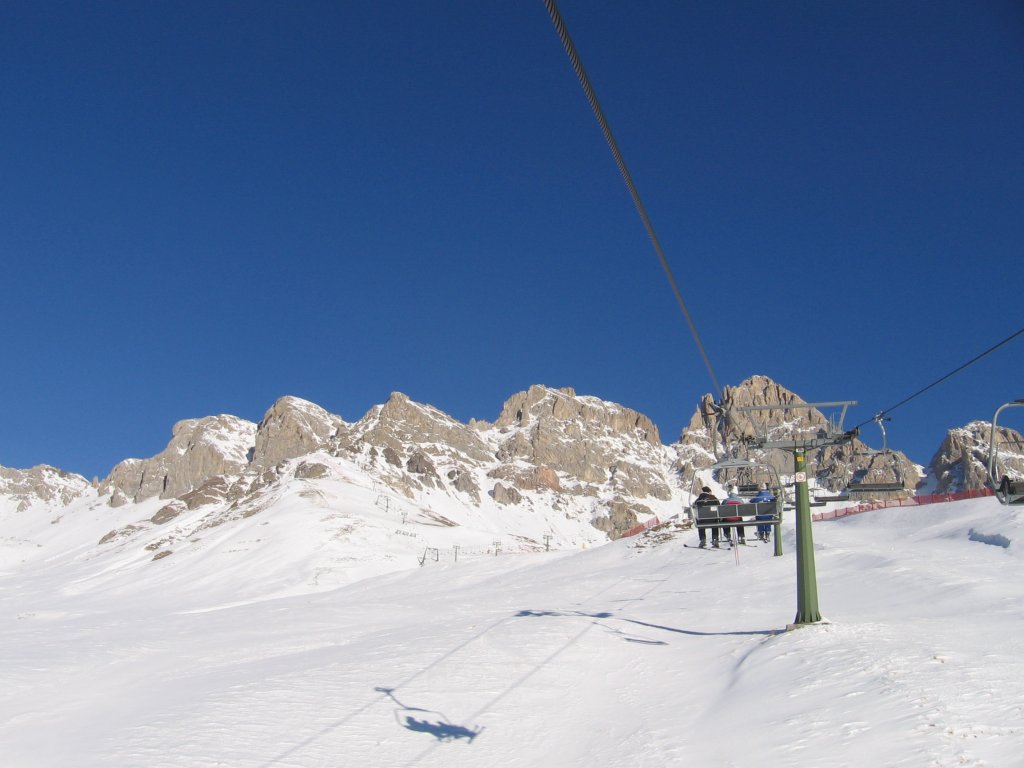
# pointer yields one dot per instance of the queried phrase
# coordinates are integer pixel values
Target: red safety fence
(653, 522)
(913, 501)
(835, 514)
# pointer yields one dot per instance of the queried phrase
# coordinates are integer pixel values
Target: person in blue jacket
(763, 496)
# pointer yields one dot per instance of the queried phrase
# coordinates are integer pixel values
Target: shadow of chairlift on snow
(527, 613)
(429, 721)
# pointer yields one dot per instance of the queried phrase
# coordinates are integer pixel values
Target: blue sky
(206, 206)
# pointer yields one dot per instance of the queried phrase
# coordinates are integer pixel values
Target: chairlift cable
(883, 413)
(581, 74)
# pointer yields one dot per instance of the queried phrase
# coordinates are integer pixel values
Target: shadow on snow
(428, 721)
(607, 615)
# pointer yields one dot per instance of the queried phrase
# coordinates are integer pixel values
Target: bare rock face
(961, 463)
(42, 483)
(420, 464)
(704, 440)
(622, 516)
(401, 422)
(585, 439)
(833, 466)
(168, 512)
(1009, 453)
(532, 479)
(504, 494)
(312, 470)
(199, 450)
(212, 491)
(540, 403)
(463, 482)
(293, 427)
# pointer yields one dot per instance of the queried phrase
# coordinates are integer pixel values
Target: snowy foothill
(640, 652)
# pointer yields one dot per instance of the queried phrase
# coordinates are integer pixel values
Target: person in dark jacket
(706, 498)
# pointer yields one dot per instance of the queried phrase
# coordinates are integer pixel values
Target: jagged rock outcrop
(504, 494)
(418, 443)
(293, 427)
(587, 441)
(199, 450)
(707, 437)
(532, 479)
(961, 463)
(311, 470)
(833, 467)
(168, 512)
(419, 463)
(1009, 453)
(42, 484)
(401, 422)
(622, 516)
(213, 491)
(540, 403)
(463, 482)
(552, 456)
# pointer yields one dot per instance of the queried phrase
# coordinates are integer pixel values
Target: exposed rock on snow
(199, 450)
(401, 422)
(42, 484)
(961, 463)
(622, 516)
(293, 427)
(833, 467)
(570, 464)
(584, 439)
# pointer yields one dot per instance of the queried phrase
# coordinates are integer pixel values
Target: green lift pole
(830, 434)
(806, 577)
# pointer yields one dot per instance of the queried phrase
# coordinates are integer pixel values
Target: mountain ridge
(554, 469)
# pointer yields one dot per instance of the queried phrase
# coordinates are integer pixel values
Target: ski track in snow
(640, 653)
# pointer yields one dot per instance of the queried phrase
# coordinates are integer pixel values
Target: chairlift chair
(1007, 490)
(864, 486)
(749, 514)
(843, 495)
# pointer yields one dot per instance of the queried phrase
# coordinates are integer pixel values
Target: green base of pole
(806, 578)
(801, 625)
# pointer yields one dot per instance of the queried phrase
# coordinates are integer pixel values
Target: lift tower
(833, 434)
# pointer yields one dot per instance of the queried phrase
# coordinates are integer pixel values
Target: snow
(273, 646)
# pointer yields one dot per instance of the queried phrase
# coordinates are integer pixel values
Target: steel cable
(581, 74)
(976, 358)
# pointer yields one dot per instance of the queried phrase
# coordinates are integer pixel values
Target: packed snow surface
(642, 652)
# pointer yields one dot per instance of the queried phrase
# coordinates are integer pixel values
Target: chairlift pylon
(1007, 490)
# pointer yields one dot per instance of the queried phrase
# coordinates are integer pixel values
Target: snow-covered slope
(404, 484)
(641, 652)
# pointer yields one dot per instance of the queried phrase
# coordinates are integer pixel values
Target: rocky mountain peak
(961, 463)
(834, 466)
(540, 403)
(581, 444)
(199, 449)
(401, 423)
(293, 427)
(551, 452)
(41, 484)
